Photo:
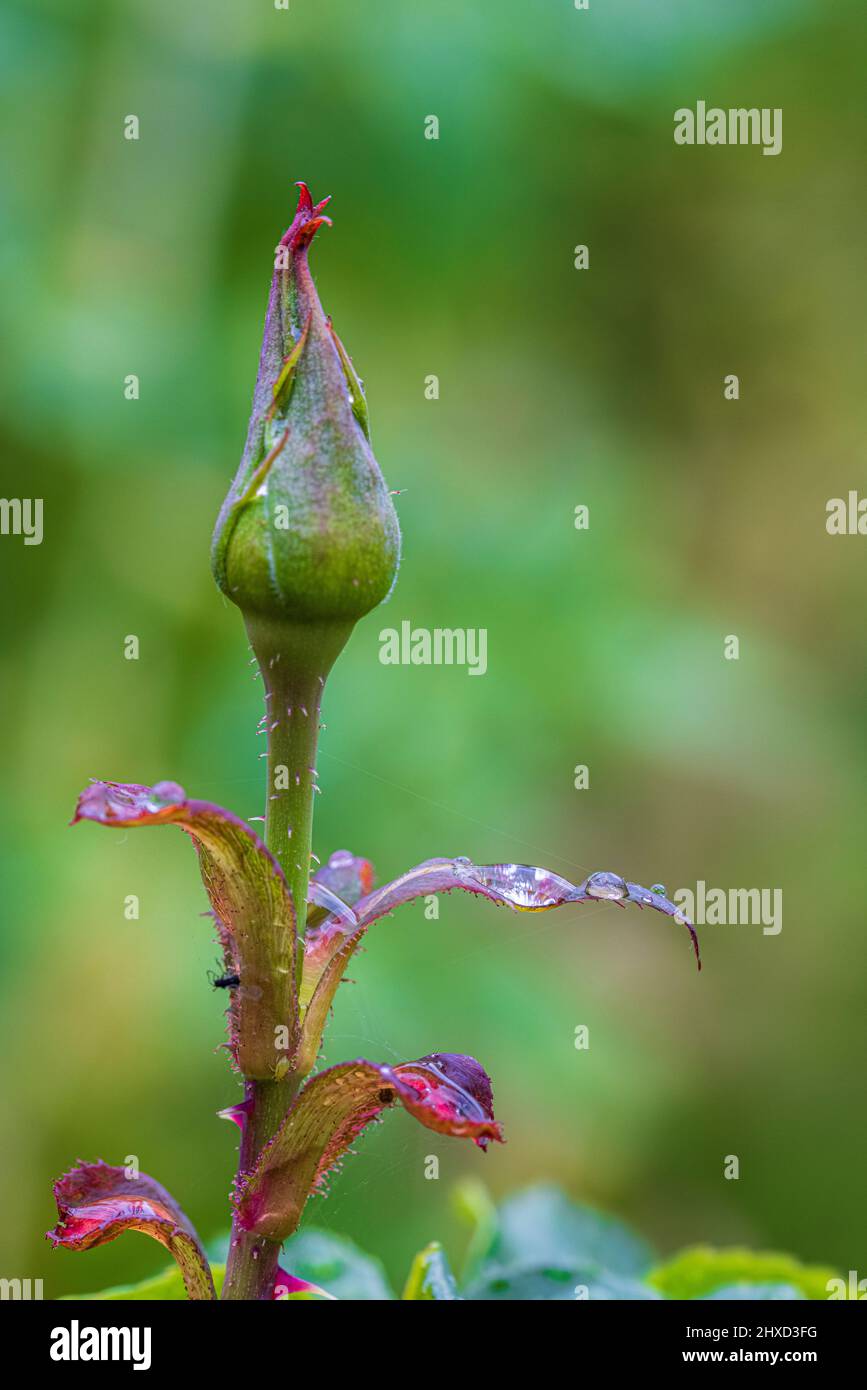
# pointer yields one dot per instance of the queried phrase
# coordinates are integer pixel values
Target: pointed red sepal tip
(307, 220)
(238, 1114)
(285, 1285)
(305, 201)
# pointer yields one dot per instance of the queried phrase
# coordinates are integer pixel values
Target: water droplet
(610, 887)
(523, 886)
(341, 859)
(323, 897)
(166, 794)
(465, 870)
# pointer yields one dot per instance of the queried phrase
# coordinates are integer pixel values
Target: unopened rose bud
(307, 540)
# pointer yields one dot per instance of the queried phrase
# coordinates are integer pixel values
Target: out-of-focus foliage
(347, 1271)
(701, 1271)
(541, 1246)
(430, 1277)
(557, 387)
(167, 1287)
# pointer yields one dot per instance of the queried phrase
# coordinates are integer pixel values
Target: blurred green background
(558, 387)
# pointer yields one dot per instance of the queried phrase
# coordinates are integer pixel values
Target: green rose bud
(307, 540)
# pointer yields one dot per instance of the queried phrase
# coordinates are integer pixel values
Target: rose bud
(307, 540)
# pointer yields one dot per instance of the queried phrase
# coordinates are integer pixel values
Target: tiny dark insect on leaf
(224, 981)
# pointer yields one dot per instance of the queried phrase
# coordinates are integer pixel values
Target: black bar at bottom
(71, 1339)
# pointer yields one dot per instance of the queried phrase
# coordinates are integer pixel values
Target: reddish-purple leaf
(96, 1203)
(445, 1091)
(522, 887)
(251, 907)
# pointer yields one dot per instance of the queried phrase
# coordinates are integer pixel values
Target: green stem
(294, 661)
(292, 703)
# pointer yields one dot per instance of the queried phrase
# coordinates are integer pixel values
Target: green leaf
(541, 1228)
(522, 1282)
(702, 1270)
(160, 1288)
(474, 1205)
(337, 1264)
(542, 1246)
(758, 1293)
(430, 1277)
